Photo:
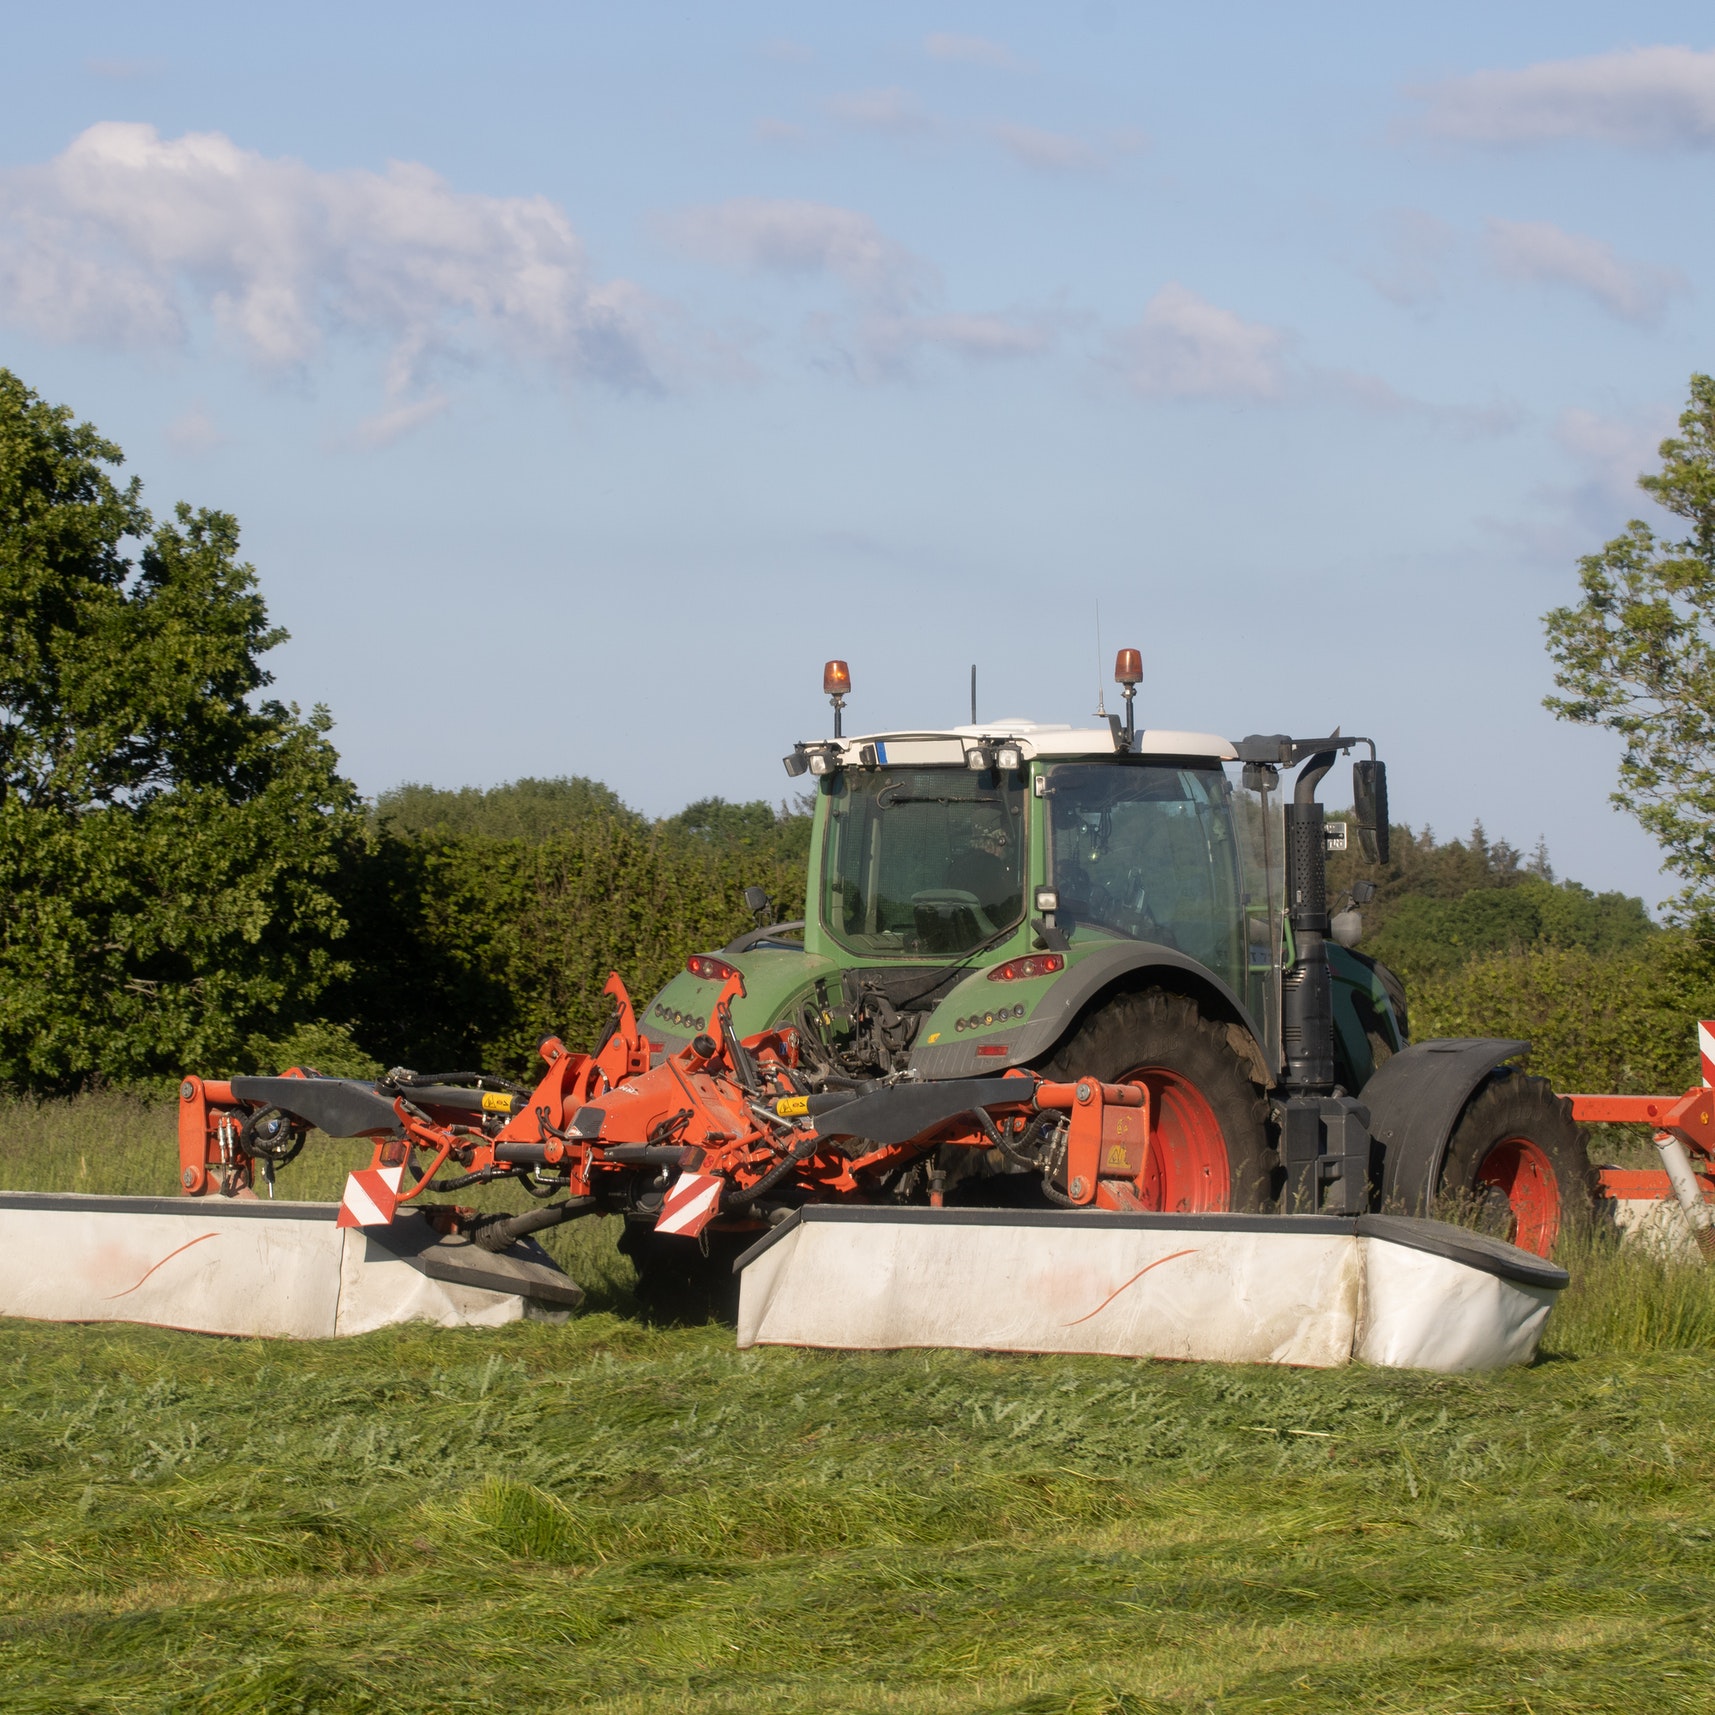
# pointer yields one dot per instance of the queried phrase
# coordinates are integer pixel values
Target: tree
(169, 845)
(1637, 655)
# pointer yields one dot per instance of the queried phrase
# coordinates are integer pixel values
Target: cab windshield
(1146, 852)
(923, 861)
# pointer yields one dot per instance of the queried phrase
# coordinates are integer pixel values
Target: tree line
(190, 884)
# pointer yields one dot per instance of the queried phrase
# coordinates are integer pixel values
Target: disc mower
(1083, 969)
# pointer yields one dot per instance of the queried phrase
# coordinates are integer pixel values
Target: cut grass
(615, 1517)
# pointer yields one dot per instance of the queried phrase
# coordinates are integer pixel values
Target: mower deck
(235, 1266)
(1300, 1289)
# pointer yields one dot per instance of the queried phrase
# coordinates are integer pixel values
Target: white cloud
(1612, 452)
(127, 236)
(1540, 251)
(889, 316)
(975, 336)
(399, 420)
(194, 431)
(894, 112)
(1187, 348)
(788, 236)
(1656, 97)
(1048, 151)
(969, 50)
(781, 131)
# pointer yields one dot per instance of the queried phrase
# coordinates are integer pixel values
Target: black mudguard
(1415, 1101)
(342, 1107)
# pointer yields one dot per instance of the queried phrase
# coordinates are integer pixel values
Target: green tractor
(1135, 906)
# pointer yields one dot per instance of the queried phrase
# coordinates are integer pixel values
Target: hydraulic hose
(496, 1232)
(737, 1199)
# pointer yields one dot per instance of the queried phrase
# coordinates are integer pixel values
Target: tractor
(1041, 968)
(1139, 906)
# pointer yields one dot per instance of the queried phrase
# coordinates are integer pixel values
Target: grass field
(610, 1516)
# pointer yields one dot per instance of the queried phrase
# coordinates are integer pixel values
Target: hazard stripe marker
(691, 1204)
(371, 1196)
(1706, 1048)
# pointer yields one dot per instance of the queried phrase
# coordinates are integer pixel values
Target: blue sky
(583, 376)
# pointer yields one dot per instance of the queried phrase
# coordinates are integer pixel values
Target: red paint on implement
(1186, 1169)
(1646, 1184)
(161, 1264)
(1132, 1282)
(1521, 1170)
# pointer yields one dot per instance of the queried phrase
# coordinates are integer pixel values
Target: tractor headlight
(1009, 757)
(979, 759)
(823, 761)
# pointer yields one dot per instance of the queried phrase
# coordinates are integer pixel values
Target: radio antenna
(973, 693)
(1101, 705)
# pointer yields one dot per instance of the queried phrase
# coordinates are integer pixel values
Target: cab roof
(1033, 738)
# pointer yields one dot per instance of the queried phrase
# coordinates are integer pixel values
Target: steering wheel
(944, 901)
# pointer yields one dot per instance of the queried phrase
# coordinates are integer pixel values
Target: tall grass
(1626, 1298)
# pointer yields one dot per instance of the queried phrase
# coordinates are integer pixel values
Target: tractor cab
(974, 892)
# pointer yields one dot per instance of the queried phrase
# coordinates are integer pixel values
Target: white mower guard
(1314, 1290)
(218, 1265)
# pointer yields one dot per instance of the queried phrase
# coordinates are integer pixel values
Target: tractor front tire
(1210, 1148)
(1517, 1165)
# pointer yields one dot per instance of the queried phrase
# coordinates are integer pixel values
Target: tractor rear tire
(1211, 1115)
(1517, 1165)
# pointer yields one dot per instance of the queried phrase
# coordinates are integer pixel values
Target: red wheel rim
(1187, 1167)
(1523, 1173)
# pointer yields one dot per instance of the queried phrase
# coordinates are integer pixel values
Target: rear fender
(1108, 970)
(1415, 1100)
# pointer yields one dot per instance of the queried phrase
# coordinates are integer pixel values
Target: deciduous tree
(1636, 654)
(169, 839)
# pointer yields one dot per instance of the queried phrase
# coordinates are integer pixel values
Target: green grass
(608, 1516)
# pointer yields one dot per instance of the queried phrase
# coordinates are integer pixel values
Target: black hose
(794, 1157)
(496, 1232)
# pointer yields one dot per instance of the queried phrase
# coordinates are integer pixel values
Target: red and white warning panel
(692, 1203)
(371, 1196)
(1706, 1049)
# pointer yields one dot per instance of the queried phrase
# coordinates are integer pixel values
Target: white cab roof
(1034, 739)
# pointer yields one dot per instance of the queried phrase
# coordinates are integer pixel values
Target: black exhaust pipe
(1306, 990)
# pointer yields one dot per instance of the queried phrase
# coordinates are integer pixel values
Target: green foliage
(782, 834)
(1423, 936)
(525, 809)
(1623, 1022)
(1421, 866)
(468, 950)
(1444, 908)
(1636, 654)
(317, 1046)
(169, 846)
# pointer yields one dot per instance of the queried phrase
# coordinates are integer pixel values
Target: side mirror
(1369, 806)
(758, 904)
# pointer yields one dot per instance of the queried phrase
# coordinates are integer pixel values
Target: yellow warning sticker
(496, 1102)
(792, 1107)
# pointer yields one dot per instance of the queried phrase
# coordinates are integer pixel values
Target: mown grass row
(618, 1517)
